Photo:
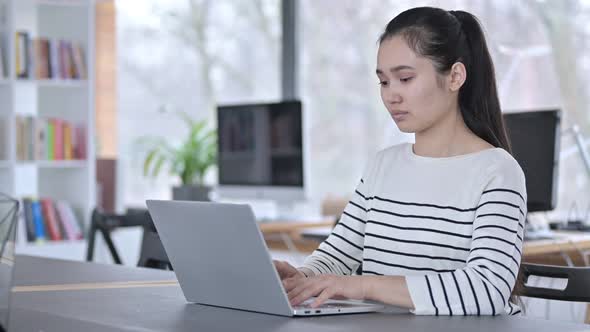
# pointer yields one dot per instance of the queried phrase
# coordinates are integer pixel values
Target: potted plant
(189, 161)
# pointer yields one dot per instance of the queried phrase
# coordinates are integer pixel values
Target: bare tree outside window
(188, 55)
(193, 54)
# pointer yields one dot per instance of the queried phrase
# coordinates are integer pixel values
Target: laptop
(220, 259)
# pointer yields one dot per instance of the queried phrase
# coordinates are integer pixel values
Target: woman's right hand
(287, 270)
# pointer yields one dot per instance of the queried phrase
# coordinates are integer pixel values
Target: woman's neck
(449, 137)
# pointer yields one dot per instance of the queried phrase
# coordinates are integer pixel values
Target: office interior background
(148, 60)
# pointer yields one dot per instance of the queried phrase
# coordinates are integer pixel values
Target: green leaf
(148, 161)
(189, 160)
(158, 165)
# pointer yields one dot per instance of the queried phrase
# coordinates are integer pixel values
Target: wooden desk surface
(564, 241)
(293, 226)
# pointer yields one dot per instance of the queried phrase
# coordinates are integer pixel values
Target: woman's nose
(393, 97)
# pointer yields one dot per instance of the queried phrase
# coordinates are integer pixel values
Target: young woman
(436, 226)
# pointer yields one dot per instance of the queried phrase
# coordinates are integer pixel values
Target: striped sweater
(452, 226)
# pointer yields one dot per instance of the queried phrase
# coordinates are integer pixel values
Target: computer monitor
(260, 151)
(535, 140)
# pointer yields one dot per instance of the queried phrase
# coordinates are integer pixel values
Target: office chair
(152, 253)
(578, 280)
(105, 223)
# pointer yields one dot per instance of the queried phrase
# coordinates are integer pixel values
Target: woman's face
(414, 94)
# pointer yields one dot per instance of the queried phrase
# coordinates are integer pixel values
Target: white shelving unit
(72, 100)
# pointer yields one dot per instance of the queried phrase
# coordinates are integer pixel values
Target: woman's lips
(399, 115)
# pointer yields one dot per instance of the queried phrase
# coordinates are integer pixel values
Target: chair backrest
(152, 253)
(576, 290)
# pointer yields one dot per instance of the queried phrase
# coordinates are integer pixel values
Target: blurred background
(147, 74)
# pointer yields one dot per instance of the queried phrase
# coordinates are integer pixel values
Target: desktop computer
(261, 156)
(535, 140)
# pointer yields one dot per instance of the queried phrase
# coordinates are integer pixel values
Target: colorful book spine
(50, 219)
(68, 150)
(50, 140)
(39, 222)
(78, 60)
(58, 144)
(22, 54)
(37, 57)
(40, 139)
(30, 127)
(29, 222)
(59, 221)
(54, 58)
(19, 138)
(69, 220)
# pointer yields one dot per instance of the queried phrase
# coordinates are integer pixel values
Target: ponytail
(478, 97)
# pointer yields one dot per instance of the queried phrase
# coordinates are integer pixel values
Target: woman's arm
(388, 289)
(385, 289)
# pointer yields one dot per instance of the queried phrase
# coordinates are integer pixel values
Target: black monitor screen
(260, 144)
(534, 136)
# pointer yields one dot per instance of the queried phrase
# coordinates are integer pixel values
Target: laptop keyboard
(327, 306)
(308, 306)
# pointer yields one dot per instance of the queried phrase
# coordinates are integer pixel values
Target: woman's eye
(383, 83)
(405, 80)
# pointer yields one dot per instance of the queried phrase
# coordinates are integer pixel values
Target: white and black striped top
(453, 226)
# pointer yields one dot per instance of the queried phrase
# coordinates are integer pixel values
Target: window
(187, 56)
(348, 120)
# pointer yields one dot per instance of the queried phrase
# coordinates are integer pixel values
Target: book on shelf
(40, 138)
(28, 216)
(38, 221)
(46, 219)
(22, 64)
(49, 58)
(72, 228)
(53, 229)
(2, 70)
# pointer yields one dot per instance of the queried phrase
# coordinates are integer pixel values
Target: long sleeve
(484, 285)
(341, 253)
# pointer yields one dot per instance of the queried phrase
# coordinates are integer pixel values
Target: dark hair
(447, 37)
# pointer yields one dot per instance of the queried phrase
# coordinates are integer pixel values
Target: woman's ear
(458, 75)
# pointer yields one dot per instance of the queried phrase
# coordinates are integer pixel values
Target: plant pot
(191, 193)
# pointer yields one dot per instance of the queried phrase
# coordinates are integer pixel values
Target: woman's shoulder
(504, 170)
(386, 155)
(502, 161)
(393, 150)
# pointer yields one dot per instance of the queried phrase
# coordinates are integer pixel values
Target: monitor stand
(274, 211)
(537, 232)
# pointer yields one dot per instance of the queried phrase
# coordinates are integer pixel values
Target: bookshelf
(69, 99)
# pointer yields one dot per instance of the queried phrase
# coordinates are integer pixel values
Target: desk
(164, 308)
(564, 241)
(289, 231)
(534, 251)
(293, 226)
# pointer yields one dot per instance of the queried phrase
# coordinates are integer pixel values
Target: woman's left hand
(325, 287)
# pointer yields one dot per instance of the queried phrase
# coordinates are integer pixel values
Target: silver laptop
(220, 258)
